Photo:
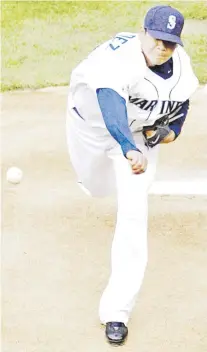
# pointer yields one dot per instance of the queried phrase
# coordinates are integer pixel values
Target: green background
(43, 40)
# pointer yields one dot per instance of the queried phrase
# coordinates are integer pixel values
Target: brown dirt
(56, 241)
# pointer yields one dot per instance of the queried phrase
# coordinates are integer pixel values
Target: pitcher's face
(157, 51)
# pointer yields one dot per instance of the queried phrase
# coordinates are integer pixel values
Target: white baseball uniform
(97, 157)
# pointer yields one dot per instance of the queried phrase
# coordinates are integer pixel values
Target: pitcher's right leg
(93, 167)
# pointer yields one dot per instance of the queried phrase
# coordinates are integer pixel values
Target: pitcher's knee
(95, 189)
(84, 189)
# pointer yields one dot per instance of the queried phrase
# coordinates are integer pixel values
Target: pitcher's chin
(159, 60)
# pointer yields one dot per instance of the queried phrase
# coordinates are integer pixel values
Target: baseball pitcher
(129, 95)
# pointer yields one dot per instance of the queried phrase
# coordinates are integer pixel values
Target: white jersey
(119, 64)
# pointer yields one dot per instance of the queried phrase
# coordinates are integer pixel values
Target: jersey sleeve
(118, 66)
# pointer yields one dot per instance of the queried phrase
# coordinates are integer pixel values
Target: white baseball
(14, 175)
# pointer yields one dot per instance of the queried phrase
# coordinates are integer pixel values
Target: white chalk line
(186, 188)
(193, 187)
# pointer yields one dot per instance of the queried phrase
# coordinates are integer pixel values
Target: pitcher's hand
(137, 161)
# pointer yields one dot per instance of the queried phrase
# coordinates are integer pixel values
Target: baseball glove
(156, 133)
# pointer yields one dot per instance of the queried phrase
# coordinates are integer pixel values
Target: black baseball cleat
(116, 332)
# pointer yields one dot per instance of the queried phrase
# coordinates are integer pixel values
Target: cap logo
(171, 22)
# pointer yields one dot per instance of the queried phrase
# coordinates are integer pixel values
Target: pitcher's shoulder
(128, 49)
(183, 55)
(124, 42)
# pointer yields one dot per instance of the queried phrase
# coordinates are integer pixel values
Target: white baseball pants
(103, 170)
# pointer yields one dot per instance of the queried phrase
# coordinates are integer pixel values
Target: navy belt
(77, 112)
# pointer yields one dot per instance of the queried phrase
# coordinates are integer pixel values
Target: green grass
(43, 41)
(196, 47)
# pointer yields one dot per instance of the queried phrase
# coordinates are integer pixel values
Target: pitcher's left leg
(129, 248)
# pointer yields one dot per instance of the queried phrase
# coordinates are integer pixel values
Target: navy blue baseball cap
(164, 23)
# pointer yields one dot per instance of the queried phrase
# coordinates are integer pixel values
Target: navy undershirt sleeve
(177, 124)
(113, 108)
